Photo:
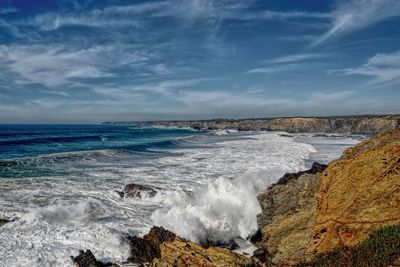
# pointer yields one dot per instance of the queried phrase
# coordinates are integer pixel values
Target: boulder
(87, 259)
(137, 191)
(4, 221)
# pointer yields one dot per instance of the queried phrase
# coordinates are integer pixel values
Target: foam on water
(226, 207)
(206, 190)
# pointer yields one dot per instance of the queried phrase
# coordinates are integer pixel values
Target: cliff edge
(337, 207)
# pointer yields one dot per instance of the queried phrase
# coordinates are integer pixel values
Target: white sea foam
(206, 191)
(226, 207)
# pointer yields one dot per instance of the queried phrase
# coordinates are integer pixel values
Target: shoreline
(358, 124)
(291, 217)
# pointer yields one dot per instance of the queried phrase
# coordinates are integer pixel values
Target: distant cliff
(366, 124)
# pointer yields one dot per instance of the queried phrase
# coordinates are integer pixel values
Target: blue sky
(96, 60)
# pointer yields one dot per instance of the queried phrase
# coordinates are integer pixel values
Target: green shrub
(381, 248)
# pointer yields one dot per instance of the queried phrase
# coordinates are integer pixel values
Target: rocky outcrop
(358, 193)
(367, 124)
(161, 247)
(137, 191)
(313, 212)
(146, 249)
(288, 211)
(87, 259)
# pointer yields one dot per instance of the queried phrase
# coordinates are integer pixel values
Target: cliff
(368, 124)
(340, 206)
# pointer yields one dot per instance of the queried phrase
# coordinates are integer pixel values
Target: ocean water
(58, 183)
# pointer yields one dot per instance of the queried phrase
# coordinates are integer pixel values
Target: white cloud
(384, 68)
(55, 65)
(275, 69)
(354, 15)
(294, 58)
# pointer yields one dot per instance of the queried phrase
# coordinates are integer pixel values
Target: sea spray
(226, 208)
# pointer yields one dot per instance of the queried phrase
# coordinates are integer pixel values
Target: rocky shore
(365, 124)
(303, 215)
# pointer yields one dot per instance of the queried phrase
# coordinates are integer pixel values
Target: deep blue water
(20, 141)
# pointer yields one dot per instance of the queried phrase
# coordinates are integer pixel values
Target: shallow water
(66, 201)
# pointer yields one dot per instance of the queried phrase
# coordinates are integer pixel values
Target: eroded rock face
(137, 191)
(288, 213)
(358, 193)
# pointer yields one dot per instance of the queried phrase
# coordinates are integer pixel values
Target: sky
(88, 61)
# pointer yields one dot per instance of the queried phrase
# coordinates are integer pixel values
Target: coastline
(301, 182)
(357, 124)
(291, 218)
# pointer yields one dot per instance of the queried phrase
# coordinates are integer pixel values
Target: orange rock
(358, 193)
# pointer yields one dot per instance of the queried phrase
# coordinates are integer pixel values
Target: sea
(58, 185)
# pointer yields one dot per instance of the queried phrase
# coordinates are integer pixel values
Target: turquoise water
(43, 150)
(18, 141)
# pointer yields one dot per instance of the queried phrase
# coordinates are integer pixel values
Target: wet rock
(87, 259)
(256, 237)
(316, 168)
(231, 244)
(148, 248)
(137, 191)
(4, 221)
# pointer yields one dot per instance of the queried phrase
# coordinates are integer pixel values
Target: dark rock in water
(137, 191)
(87, 259)
(286, 135)
(231, 244)
(148, 248)
(316, 168)
(256, 237)
(4, 221)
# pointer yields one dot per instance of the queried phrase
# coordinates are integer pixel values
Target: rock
(161, 247)
(316, 168)
(4, 221)
(181, 253)
(231, 245)
(137, 191)
(256, 237)
(147, 248)
(358, 193)
(286, 220)
(261, 257)
(87, 259)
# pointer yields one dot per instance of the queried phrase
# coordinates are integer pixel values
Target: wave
(226, 208)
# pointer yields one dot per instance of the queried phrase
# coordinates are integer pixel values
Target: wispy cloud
(8, 10)
(384, 68)
(354, 15)
(274, 69)
(294, 58)
(286, 63)
(55, 65)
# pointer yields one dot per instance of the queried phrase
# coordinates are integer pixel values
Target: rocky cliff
(371, 124)
(340, 206)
